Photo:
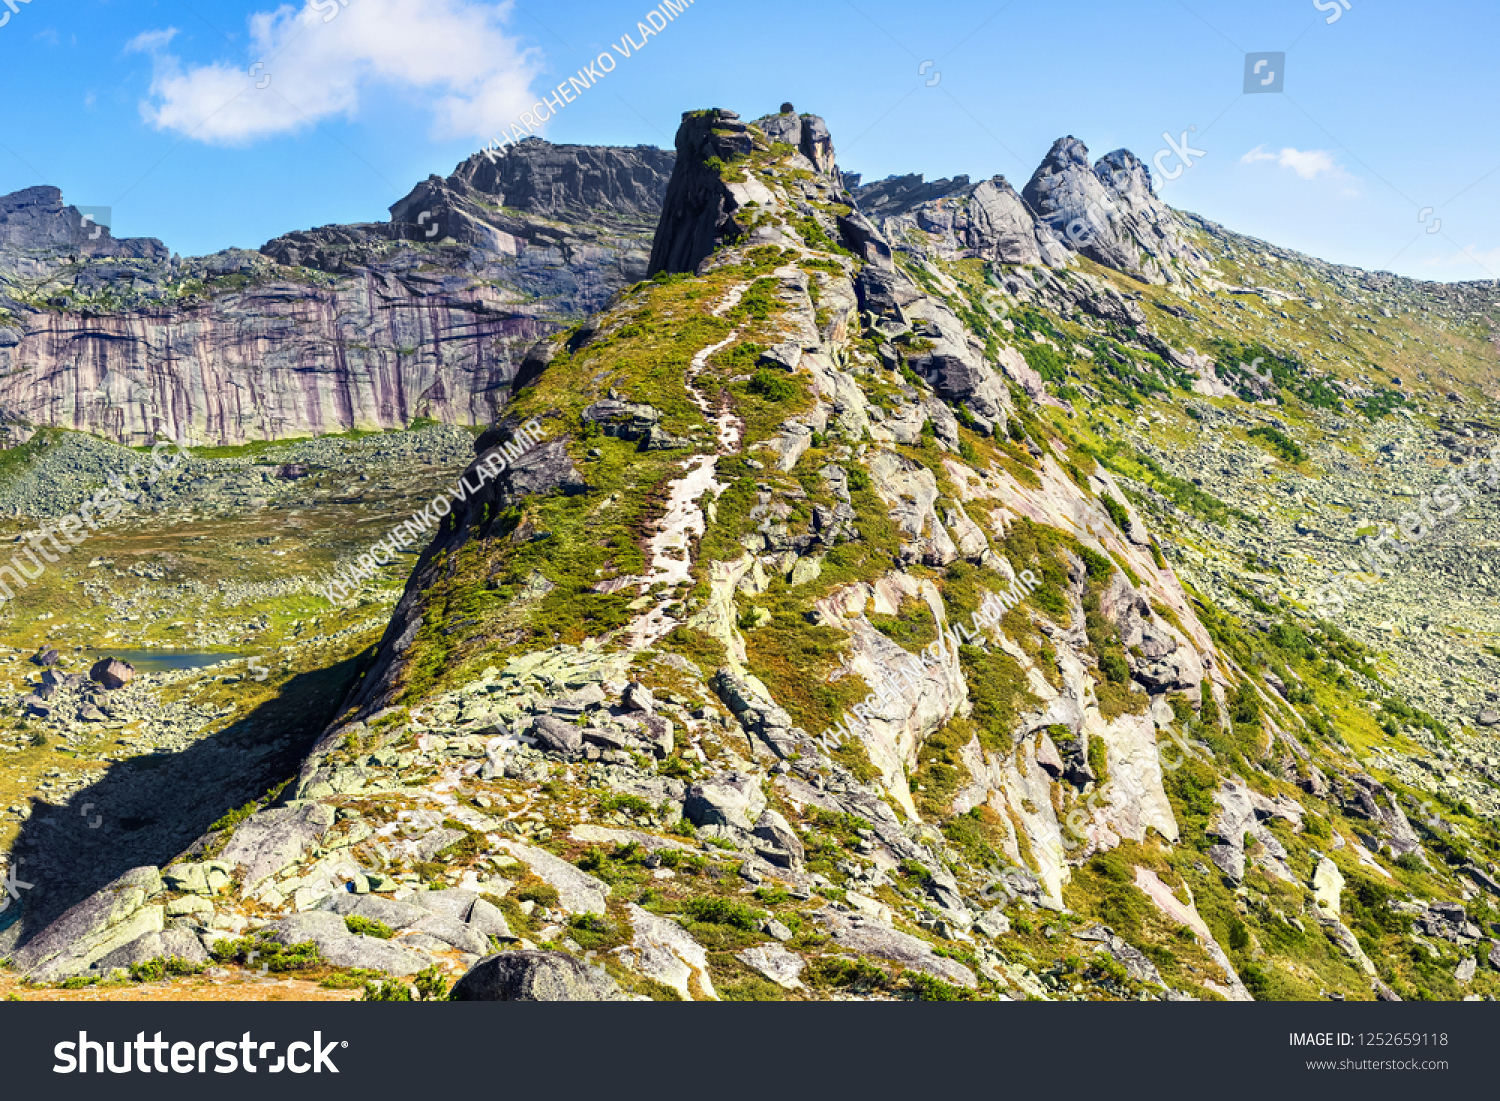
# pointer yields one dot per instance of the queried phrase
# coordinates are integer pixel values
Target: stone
(864, 934)
(488, 920)
(272, 840)
(662, 950)
(992, 923)
(556, 736)
(782, 966)
(530, 976)
(661, 734)
(111, 673)
(638, 697)
(187, 907)
(1466, 968)
(342, 948)
(455, 903)
(110, 918)
(1229, 860)
(590, 834)
(1327, 885)
(453, 932)
(776, 929)
(435, 841)
(46, 657)
(395, 913)
(190, 878)
(178, 944)
(729, 800)
(784, 847)
(577, 891)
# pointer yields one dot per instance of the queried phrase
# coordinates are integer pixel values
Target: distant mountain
(324, 330)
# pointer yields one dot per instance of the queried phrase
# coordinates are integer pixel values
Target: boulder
(662, 950)
(112, 673)
(171, 944)
(45, 657)
(342, 948)
(577, 891)
(110, 918)
(556, 736)
(452, 932)
(535, 977)
(868, 936)
(268, 842)
(729, 800)
(1327, 885)
(778, 842)
(398, 915)
(638, 697)
(782, 966)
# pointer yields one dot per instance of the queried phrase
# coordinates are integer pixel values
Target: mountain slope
(893, 609)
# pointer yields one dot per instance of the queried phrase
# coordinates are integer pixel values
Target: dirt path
(670, 549)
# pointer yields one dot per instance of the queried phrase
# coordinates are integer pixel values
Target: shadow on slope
(148, 810)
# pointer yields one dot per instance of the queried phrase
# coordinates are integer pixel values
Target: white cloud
(320, 59)
(1308, 163)
(151, 41)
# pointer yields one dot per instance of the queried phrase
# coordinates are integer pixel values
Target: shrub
(431, 984)
(593, 930)
(543, 894)
(368, 927)
(924, 988)
(1279, 442)
(1239, 935)
(628, 804)
(1117, 512)
(723, 911)
(772, 385)
(261, 951)
(387, 991)
(163, 967)
(1114, 667)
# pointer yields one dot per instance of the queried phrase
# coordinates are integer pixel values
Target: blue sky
(1384, 131)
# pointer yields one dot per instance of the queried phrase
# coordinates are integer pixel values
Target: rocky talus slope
(1027, 494)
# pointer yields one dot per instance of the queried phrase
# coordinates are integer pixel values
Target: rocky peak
(900, 194)
(570, 182)
(36, 218)
(807, 133)
(699, 207)
(1109, 213)
(488, 194)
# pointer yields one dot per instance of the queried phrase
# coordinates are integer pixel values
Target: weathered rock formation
(326, 330)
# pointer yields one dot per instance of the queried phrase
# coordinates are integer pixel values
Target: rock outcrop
(325, 330)
(1108, 212)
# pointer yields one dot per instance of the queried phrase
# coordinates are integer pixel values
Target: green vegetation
(368, 927)
(1280, 442)
(267, 954)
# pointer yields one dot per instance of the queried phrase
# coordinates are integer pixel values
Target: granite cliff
(327, 330)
